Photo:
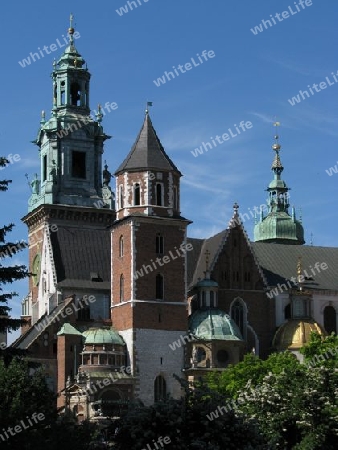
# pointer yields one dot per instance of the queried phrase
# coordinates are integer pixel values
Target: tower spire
(278, 226)
(71, 29)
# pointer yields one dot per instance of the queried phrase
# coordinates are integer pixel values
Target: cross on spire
(71, 29)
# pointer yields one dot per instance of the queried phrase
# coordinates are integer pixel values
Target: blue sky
(250, 78)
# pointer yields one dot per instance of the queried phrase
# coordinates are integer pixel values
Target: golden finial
(207, 254)
(71, 29)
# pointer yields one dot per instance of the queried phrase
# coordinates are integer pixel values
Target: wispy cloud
(292, 66)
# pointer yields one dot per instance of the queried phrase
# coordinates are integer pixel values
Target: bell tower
(71, 142)
(71, 199)
(278, 226)
(149, 264)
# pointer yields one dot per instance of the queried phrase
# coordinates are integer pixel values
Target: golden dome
(295, 333)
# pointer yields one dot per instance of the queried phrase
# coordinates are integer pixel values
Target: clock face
(36, 269)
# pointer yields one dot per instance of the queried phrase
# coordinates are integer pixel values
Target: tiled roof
(81, 254)
(279, 263)
(147, 153)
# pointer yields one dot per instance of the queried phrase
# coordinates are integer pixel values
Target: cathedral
(121, 298)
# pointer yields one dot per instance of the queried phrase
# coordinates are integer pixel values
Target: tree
(294, 405)
(295, 409)
(251, 370)
(321, 351)
(28, 413)
(186, 424)
(8, 274)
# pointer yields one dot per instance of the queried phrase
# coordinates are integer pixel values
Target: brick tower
(149, 265)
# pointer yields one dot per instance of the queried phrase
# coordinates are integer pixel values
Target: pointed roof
(71, 57)
(278, 226)
(147, 152)
(68, 329)
(215, 245)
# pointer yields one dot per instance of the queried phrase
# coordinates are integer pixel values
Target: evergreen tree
(8, 274)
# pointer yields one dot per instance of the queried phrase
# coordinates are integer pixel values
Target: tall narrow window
(136, 194)
(121, 288)
(175, 198)
(84, 312)
(75, 94)
(160, 389)
(44, 168)
(212, 300)
(159, 286)
(159, 192)
(238, 313)
(121, 197)
(159, 244)
(204, 301)
(79, 164)
(121, 246)
(330, 323)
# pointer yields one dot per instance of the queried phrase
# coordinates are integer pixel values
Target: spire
(277, 166)
(71, 57)
(147, 152)
(278, 226)
(71, 141)
(71, 29)
(299, 272)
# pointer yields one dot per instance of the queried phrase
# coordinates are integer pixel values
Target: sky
(245, 75)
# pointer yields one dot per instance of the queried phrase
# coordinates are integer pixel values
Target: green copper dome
(102, 336)
(278, 226)
(206, 282)
(214, 324)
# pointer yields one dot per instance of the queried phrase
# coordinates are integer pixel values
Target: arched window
(159, 244)
(136, 194)
(238, 312)
(121, 288)
(159, 286)
(287, 311)
(121, 246)
(330, 322)
(160, 389)
(75, 94)
(159, 193)
(121, 197)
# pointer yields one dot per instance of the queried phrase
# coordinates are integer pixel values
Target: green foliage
(23, 392)
(251, 370)
(186, 423)
(8, 274)
(321, 351)
(295, 409)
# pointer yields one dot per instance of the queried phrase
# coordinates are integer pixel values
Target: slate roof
(279, 263)
(79, 254)
(211, 244)
(147, 152)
